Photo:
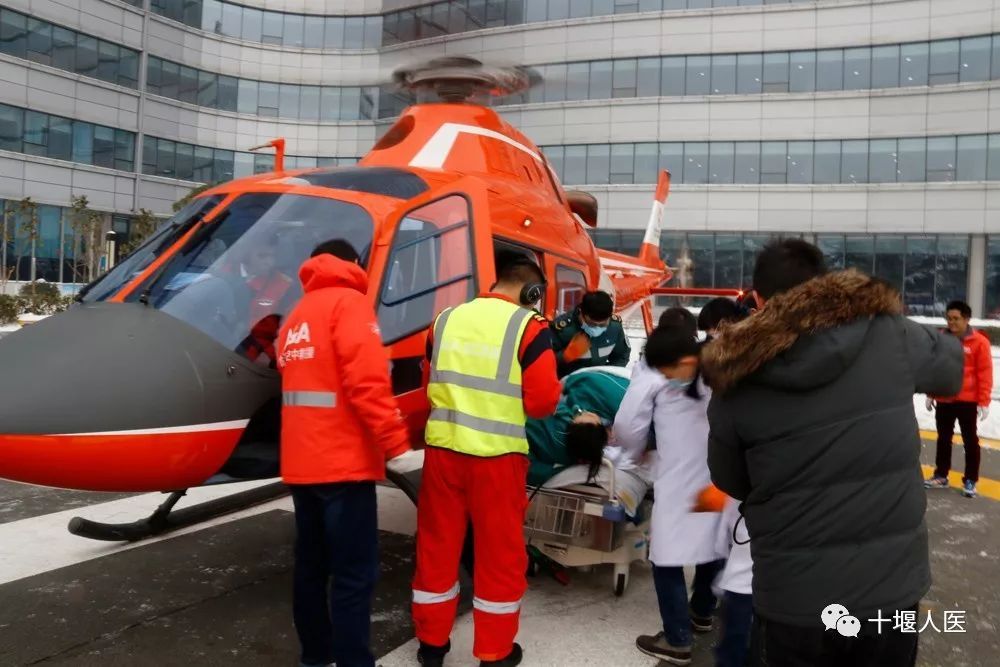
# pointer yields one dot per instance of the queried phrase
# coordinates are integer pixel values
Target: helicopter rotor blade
(457, 78)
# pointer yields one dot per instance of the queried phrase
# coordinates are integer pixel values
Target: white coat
(679, 466)
(737, 576)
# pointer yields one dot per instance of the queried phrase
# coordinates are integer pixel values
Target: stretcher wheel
(621, 581)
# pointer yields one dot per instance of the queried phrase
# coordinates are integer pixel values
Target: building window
(749, 73)
(802, 72)
(912, 160)
(885, 66)
(993, 277)
(49, 44)
(775, 73)
(721, 162)
(941, 159)
(59, 138)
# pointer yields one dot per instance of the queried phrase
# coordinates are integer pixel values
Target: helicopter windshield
(237, 277)
(160, 240)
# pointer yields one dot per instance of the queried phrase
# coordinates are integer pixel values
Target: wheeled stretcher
(582, 525)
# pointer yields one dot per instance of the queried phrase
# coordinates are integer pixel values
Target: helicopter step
(165, 519)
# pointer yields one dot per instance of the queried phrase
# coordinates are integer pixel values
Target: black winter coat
(813, 428)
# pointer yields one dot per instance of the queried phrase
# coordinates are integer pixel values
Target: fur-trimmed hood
(802, 338)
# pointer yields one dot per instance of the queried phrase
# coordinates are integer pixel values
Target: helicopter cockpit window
(429, 269)
(159, 241)
(237, 277)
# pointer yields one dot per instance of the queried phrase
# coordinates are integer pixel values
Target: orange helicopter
(162, 377)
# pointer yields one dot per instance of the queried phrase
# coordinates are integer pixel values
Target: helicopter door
(429, 268)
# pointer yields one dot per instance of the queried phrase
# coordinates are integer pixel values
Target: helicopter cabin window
(571, 285)
(429, 268)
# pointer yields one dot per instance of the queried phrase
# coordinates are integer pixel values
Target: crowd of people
(781, 444)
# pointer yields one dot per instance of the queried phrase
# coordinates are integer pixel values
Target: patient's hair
(585, 442)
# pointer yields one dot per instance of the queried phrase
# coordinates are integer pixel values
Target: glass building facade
(925, 63)
(316, 31)
(929, 270)
(266, 99)
(308, 31)
(903, 160)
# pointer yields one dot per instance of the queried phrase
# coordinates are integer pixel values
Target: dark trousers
(966, 414)
(336, 538)
(774, 644)
(671, 594)
(733, 648)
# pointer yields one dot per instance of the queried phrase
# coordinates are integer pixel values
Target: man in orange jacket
(492, 367)
(339, 426)
(977, 386)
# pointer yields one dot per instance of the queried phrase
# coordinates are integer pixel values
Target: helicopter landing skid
(164, 519)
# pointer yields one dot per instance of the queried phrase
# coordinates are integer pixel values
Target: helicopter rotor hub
(455, 79)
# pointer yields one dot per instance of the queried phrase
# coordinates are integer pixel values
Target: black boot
(429, 655)
(513, 658)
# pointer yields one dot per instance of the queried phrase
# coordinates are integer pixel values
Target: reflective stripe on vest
(477, 423)
(496, 607)
(426, 597)
(475, 380)
(309, 399)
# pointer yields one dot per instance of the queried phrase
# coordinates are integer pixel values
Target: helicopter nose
(114, 396)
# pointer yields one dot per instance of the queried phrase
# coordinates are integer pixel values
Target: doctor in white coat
(667, 395)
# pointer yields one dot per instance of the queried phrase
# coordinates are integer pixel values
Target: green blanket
(594, 390)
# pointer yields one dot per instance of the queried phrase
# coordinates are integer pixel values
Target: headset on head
(532, 292)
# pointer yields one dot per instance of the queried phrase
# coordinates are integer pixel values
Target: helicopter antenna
(279, 152)
(456, 79)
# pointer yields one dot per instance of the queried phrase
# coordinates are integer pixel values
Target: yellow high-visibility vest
(475, 383)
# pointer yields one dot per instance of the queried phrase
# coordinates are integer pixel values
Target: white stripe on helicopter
(189, 428)
(615, 264)
(436, 150)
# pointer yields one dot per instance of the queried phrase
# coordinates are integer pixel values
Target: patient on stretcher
(568, 447)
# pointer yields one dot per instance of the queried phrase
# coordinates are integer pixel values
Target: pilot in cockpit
(267, 284)
(267, 287)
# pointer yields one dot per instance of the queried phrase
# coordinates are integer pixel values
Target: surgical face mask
(593, 331)
(680, 385)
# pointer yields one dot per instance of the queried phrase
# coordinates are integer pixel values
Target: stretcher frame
(583, 525)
